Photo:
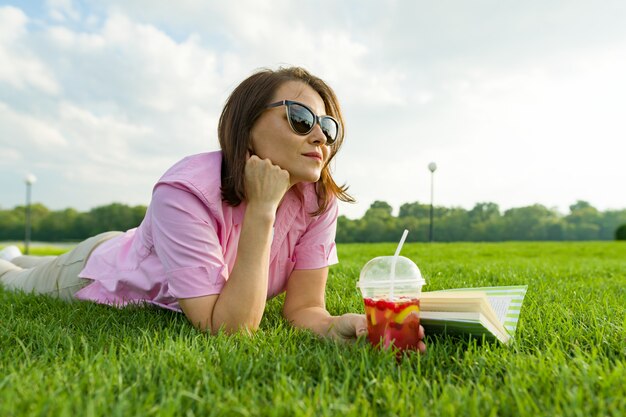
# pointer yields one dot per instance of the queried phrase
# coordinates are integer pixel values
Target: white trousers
(56, 276)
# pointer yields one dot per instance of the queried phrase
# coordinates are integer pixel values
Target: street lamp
(432, 167)
(30, 180)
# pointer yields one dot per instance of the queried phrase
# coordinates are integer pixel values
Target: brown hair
(243, 108)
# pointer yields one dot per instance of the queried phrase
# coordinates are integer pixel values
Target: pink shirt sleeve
(316, 248)
(187, 244)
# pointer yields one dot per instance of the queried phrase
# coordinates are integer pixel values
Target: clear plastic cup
(392, 308)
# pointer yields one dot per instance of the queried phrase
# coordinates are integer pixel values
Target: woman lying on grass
(227, 230)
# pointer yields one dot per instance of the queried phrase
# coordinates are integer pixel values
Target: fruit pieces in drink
(391, 322)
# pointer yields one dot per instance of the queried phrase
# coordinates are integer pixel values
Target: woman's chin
(312, 177)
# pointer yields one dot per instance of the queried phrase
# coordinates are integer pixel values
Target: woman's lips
(313, 155)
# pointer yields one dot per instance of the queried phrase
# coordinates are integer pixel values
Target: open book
(489, 311)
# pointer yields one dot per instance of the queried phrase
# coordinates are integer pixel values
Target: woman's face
(272, 138)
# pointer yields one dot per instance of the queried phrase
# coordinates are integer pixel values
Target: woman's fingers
(360, 325)
(354, 325)
(348, 327)
(420, 332)
(264, 181)
(421, 346)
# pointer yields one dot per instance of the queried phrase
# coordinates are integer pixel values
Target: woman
(227, 230)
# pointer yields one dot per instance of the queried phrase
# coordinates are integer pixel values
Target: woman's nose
(317, 135)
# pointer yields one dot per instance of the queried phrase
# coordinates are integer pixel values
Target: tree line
(484, 222)
(68, 224)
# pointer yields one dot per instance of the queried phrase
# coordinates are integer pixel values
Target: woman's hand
(265, 183)
(350, 326)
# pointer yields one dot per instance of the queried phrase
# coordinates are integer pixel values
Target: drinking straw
(395, 260)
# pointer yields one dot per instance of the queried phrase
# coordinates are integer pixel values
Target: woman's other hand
(350, 326)
(265, 183)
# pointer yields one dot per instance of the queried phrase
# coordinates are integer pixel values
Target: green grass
(569, 357)
(44, 250)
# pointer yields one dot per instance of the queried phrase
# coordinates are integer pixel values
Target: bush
(620, 232)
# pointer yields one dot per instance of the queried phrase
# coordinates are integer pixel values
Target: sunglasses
(302, 120)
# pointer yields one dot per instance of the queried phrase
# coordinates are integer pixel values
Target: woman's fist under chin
(265, 183)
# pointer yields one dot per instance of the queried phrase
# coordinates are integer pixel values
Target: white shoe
(10, 252)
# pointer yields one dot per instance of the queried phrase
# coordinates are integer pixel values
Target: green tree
(610, 220)
(528, 223)
(451, 224)
(583, 222)
(113, 217)
(378, 224)
(555, 229)
(416, 210)
(38, 212)
(12, 224)
(346, 230)
(60, 225)
(380, 209)
(484, 222)
(484, 212)
(418, 228)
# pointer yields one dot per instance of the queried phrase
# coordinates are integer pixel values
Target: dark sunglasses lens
(301, 119)
(330, 129)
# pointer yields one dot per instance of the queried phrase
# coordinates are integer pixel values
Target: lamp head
(30, 179)
(432, 167)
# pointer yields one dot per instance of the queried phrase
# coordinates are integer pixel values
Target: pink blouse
(186, 245)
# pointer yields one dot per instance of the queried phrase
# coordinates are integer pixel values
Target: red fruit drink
(391, 322)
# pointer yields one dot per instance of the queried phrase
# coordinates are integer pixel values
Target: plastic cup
(392, 307)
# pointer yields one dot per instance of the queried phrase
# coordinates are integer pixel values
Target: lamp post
(432, 167)
(30, 180)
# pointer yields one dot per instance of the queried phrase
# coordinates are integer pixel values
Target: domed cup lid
(377, 273)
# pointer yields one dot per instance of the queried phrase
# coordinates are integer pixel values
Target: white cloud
(61, 10)
(19, 68)
(100, 139)
(10, 154)
(22, 131)
(140, 64)
(66, 40)
(13, 22)
(330, 52)
(274, 32)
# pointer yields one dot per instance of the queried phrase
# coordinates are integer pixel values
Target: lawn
(568, 359)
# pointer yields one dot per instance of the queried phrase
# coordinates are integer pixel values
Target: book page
(459, 302)
(506, 302)
(500, 306)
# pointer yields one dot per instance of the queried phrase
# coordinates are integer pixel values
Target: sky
(516, 102)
